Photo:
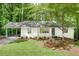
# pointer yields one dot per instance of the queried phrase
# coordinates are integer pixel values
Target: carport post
(6, 33)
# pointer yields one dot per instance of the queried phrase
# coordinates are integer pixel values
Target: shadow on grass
(76, 43)
(18, 41)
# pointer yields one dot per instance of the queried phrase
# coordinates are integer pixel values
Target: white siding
(70, 33)
(24, 32)
(35, 32)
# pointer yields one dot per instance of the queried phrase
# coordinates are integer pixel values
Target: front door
(53, 31)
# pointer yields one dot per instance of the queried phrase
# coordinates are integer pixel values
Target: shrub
(23, 38)
(43, 38)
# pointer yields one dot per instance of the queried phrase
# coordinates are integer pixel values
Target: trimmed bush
(43, 38)
(23, 38)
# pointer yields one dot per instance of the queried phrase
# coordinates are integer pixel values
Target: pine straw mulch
(71, 50)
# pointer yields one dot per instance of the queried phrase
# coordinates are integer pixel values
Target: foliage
(63, 13)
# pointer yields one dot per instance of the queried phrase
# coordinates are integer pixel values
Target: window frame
(65, 30)
(43, 30)
(29, 30)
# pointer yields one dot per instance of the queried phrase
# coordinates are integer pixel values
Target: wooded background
(64, 13)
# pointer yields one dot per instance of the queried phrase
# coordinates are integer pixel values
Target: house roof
(31, 24)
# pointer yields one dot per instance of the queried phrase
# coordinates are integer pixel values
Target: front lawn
(28, 48)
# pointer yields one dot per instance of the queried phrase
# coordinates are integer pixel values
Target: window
(65, 30)
(44, 30)
(29, 30)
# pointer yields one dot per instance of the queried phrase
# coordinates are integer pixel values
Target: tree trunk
(62, 33)
(62, 16)
(6, 33)
(77, 32)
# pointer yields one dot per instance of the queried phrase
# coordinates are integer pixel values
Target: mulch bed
(53, 42)
(58, 43)
(72, 52)
(2, 37)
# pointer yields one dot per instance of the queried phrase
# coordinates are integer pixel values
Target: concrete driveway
(8, 40)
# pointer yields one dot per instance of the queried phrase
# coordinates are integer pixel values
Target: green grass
(18, 41)
(28, 48)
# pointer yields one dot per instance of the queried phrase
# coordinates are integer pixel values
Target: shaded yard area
(32, 48)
